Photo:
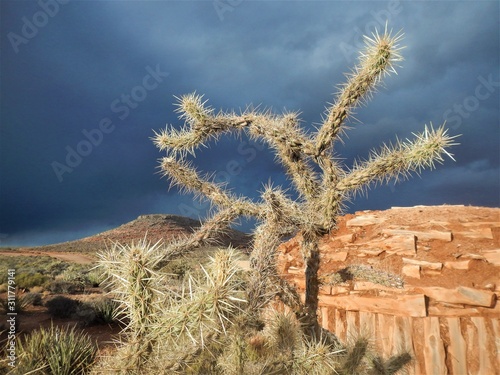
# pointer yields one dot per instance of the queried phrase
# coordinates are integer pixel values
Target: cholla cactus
(321, 183)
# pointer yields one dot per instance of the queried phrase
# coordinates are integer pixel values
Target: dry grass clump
(55, 351)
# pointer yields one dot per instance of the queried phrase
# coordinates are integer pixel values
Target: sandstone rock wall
(441, 304)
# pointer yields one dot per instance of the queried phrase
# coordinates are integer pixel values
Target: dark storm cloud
(81, 71)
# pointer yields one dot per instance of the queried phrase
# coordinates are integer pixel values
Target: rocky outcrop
(445, 311)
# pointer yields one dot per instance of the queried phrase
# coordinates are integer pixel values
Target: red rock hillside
(157, 227)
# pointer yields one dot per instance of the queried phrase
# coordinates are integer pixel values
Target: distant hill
(156, 227)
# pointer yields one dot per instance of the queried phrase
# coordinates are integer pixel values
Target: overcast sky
(84, 84)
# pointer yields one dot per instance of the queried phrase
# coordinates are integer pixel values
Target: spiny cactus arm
(263, 264)
(220, 222)
(311, 256)
(399, 160)
(201, 125)
(210, 229)
(189, 139)
(207, 303)
(329, 203)
(292, 148)
(379, 58)
(283, 214)
(181, 173)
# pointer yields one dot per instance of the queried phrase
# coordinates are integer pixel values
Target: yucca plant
(55, 351)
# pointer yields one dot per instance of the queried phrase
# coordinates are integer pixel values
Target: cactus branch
(379, 58)
(399, 160)
(292, 149)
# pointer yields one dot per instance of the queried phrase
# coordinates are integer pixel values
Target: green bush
(65, 287)
(29, 280)
(58, 351)
(28, 265)
(94, 278)
(85, 313)
(62, 307)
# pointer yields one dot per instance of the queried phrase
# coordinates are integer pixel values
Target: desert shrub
(31, 298)
(44, 265)
(37, 289)
(82, 274)
(61, 307)
(19, 303)
(85, 313)
(29, 265)
(29, 280)
(57, 351)
(106, 310)
(56, 267)
(65, 287)
(94, 278)
(178, 268)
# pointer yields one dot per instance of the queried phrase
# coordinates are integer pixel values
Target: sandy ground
(67, 257)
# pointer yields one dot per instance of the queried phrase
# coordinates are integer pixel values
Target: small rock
(325, 289)
(411, 270)
(362, 220)
(458, 265)
(477, 233)
(490, 286)
(402, 245)
(341, 256)
(461, 294)
(428, 272)
(295, 270)
(492, 256)
(402, 305)
(421, 235)
(367, 285)
(346, 238)
(422, 263)
(473, 256)
(364, 253)
(335, 290)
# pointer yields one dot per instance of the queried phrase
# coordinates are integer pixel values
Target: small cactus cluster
(210, 325)
(220, 323)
